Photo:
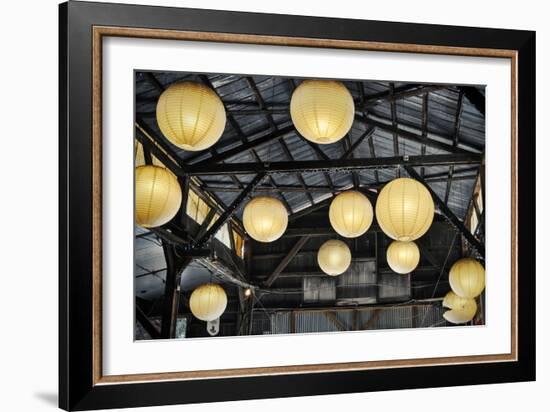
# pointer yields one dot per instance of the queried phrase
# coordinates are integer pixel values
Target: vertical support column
(376, 266)
(242, 312)
(174, 268)
(248, 257)
(184, 184)
(250, 316)
(482, 181)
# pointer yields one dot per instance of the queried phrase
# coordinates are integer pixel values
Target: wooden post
(174, 268)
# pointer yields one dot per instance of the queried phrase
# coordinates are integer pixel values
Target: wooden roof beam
(333, 165)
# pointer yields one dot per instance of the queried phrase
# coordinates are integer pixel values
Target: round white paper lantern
(404, 209)
(351, 214)
(208, 302)
(322, 110)
(265, 218)
(403, 257)
(158, 196)
(334, 257)
(467, 278)
(462, 309)
(191, 115)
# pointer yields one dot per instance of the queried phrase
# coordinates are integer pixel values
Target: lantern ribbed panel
(403, 257)
(334, 257)
(208, 302)
(265, 218)
(351, 214)
(158, 196)
(322, 110)
(467, 278)
(191, 116)
(404, 209)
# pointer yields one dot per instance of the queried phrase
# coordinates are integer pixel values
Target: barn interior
(432, 133)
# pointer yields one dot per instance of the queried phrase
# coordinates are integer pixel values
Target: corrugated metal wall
(312, 321)
(358, 284)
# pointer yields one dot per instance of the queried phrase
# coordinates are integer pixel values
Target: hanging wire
(443, 268)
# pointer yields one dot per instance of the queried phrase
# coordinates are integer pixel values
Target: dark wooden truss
(200, 172)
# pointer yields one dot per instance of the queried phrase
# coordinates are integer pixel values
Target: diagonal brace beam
(451, 217)
(228, 213)
(286, 260)
(354, 146)
(251, 144)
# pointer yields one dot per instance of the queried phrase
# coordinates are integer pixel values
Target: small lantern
(334, 257)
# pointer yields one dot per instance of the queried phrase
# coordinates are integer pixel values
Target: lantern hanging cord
(441, 271)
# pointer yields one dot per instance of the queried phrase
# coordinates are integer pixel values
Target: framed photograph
(257, 206)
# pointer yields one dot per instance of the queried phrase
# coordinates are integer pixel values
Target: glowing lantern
(265, 218)
(351, 214)
(403, 257)
(208, 302)
(191, 116)
(467, 278)
(457, 316)
(334, 257)
(462, 309)
(322, 110)
(404, 209)
(158, 196)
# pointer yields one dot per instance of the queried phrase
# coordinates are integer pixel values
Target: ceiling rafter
(244, 139)
(334, 165)
(262, 108)
(394, 124)
(369, 101)
(315, 147)
(229, 188)
(371, 138)
(149, 132)
(453, 219)
(220, 221)
(459, 108)
(261, 103)
(424, 129)
(213, 151)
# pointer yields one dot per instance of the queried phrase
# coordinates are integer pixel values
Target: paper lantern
(351, 214)
(404, 209)
(191, 116)
(403, 257)
(158, 196)
(462, 309)
(265, 218)
(334, 257)
(208, 302)
(467, 278)
(453, 301)
(322, 110)
(457, 316)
